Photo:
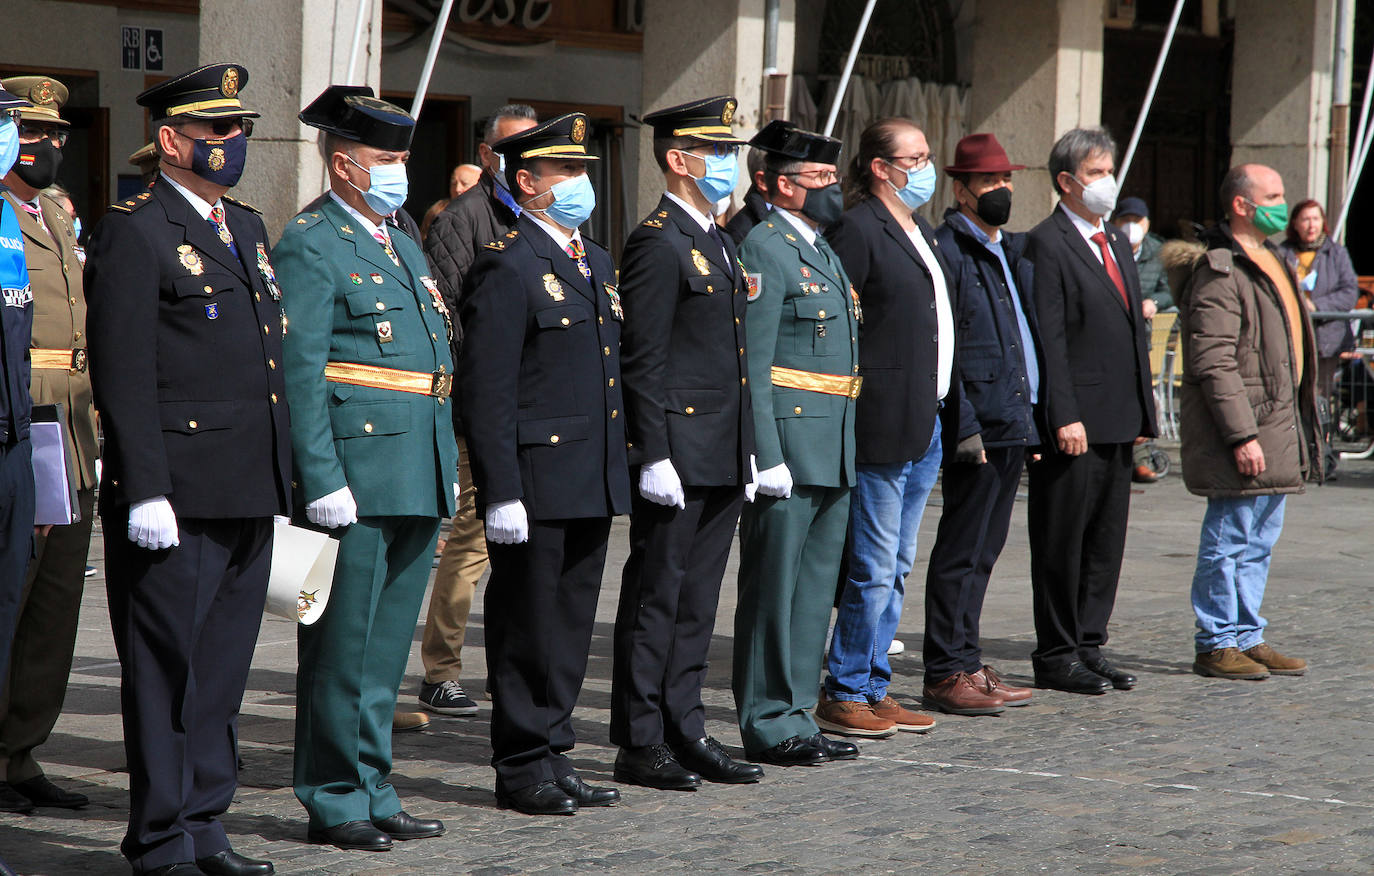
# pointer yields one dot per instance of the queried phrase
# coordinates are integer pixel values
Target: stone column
(1281, 91)
(1037, 72)
(305, 48)
(700, 49)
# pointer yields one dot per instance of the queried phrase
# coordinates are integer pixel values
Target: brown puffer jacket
(1239, 380)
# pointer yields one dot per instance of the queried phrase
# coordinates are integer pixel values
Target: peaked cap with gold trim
(563, 137)
(708, 120)
(209, 92)
(45, 93)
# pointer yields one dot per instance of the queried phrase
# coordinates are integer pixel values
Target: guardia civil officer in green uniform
(803, 362)
(692, 437)
(368, 368)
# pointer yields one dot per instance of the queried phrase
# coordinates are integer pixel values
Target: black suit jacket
(682, 350)
(897, 336)
(185, 360)
(540, 379)
(1095, 368)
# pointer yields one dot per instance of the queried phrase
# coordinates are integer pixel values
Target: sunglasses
(34, 133)
(225, 127)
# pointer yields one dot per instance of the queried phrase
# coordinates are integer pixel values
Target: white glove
(334, 510)
(775, 481)
(753, 486)
(507, 523)
(659, 483)
(153, 524)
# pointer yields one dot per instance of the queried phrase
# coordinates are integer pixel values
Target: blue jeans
(884, 515)
(1233, 554)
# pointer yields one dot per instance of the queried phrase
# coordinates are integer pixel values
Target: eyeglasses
(921, 160)
(824, 177)
(719, 150)
(34, 133)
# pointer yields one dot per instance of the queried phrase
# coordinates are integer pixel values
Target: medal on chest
(613, 294)
(190, 259)
(699, 262)
(269, 276)
(438, 301)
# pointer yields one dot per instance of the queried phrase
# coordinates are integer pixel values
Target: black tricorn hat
(563, 137)
(708, 120)
(209, 92)
(785, 138)
(354, 113)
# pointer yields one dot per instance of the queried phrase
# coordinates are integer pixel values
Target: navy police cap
(354, 113)
(563, 137)
(209, 92)
(708, 120)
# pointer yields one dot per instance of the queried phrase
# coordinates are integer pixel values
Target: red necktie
(1100, 238)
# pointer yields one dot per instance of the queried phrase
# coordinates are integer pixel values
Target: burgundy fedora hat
(981, 153)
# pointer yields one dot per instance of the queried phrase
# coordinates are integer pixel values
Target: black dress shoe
(545, 798)
(404, 826)
(231, 863)
(1120, 679)
(44, 793)
(835, 749)
(13, 801)
(185, 868)
(708, 758)
(654, 766)
(1071, 677)
(794, 751)
(585, 794)
(359, 835)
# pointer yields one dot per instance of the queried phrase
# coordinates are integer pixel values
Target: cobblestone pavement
(1181, 775)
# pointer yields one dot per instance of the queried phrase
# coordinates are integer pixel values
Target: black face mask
(823, 205)
(994, 207)
(38, 163)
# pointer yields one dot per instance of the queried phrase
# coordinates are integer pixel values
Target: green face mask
(1270, 220)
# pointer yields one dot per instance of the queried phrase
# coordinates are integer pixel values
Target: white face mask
(1099, 196)
(1135, 232)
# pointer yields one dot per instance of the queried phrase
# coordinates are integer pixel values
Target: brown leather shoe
(1228, 663)
(1143, 474)
(404, 721)
(905, 719)
(960, 694)
(851, 719)
(991, 683)
(1276, 663)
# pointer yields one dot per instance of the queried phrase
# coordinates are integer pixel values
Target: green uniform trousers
(790, 551)
(351, 662)
(44, 638)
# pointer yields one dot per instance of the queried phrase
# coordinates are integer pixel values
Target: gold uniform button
(741, 351)
(601, 320)
(266, 330)
(743, 381)
(381, 306)
(422, 307)
(737, 320)
(606, 350)
(192, 424)
(257, 296)
(440, 401)
(797, 409)
(367, 427)
(274, 398)
(611, 382)
(565, 321)
(433, 336)
(614, 413)
(689, 410)
(553, 439)
(72, 300)
(271, 363)
(821, 314)
(78, 336)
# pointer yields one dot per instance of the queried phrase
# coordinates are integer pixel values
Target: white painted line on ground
(941, 765)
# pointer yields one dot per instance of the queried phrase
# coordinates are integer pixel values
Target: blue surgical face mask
(9, 144)
(920, 185)
(574, 199)
(388, 188)
(721, 177)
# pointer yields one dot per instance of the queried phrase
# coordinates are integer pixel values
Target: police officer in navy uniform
(543, 418)
(185, 332)
(691, 434)
(16, 455)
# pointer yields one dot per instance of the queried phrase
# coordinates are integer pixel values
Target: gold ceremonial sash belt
(830, 384)
(70, 360)
(438, 384)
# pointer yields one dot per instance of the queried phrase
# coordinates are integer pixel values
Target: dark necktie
(713, 231)
(1114, 272)
(831, 260)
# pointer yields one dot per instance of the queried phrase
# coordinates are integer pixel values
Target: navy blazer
(898, 403)
(1095, 369)
(539, 376)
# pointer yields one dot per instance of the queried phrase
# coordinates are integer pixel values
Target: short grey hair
(1236, 183)
(331, 143)
(509, 111)
(776, 165)
(1075, 147)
